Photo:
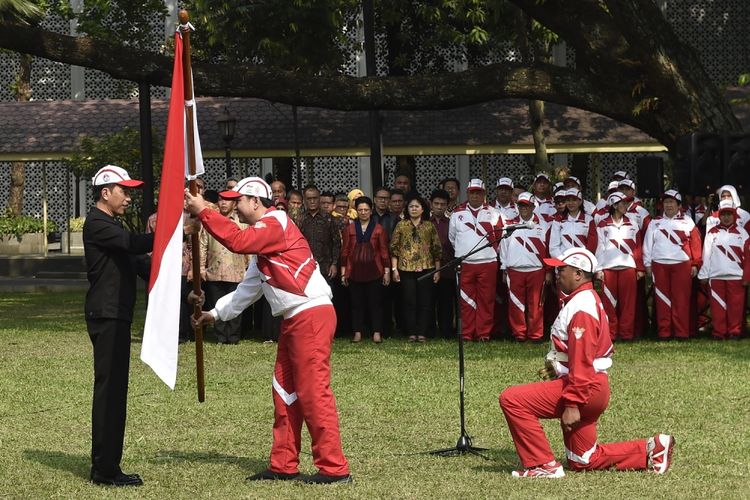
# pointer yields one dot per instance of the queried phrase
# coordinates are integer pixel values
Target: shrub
(76, 225)
(22, 224)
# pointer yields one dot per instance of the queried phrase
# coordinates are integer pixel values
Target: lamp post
(227, 124)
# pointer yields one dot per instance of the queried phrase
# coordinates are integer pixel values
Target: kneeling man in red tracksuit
(286, 273)
(576, 388)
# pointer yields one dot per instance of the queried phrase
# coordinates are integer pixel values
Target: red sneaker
(659, 450)
(552, 470)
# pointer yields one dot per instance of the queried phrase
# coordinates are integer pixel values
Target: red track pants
(525, 312)
(727, 307)
(619, 298)
(478, 283)
(672, 289)
(524, 405)
(302, 392)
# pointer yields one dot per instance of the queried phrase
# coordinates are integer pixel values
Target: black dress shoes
(269, 475)
(324, 479)
(119, 479)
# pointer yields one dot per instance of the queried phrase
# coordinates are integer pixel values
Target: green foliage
(21, 11)
(125, 22)
(124, 150)
(76, 225)
(743, 81)
(302, 35)
(22, 224)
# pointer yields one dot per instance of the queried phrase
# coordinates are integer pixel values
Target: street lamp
(227, 124)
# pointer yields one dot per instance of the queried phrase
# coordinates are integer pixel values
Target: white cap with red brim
(504, 181)
(525, 198)
(616, 198)
(112, 174)
(672, 193)
(579, 258)
(476, 185)
(249, 186)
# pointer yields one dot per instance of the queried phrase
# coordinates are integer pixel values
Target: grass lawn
(396, 401)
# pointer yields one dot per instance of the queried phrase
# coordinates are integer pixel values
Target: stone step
(27, 266)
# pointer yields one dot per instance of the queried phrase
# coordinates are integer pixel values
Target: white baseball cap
(626, 182)
(504, 181)
(542, 175)
(525, 198)
(574, 192)
(112, 174)
(612, 186)
(727, 206)
(579, 258)
(621, 174)
(672, 193)
(250, 186)
(617, 197)
(476, 185)
(574, 179)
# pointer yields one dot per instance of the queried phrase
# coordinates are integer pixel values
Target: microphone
(523, 225)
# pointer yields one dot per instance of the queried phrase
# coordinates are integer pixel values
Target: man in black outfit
(113, 258)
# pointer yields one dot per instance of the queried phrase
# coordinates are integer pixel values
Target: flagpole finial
(183, 16)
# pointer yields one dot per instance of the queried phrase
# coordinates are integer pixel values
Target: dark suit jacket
(114, 257)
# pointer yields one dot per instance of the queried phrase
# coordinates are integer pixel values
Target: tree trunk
(536, 107)
(17, 170)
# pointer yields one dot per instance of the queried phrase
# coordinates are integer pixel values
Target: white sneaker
(552, 470)
(659, 449)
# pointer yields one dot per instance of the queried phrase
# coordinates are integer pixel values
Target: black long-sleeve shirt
(114, 257)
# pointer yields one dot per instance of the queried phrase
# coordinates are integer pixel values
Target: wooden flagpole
(194, 238)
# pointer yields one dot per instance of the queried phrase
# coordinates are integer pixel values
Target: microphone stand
(464, 443)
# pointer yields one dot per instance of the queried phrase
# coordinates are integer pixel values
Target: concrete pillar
(463, 174)
(365, 176)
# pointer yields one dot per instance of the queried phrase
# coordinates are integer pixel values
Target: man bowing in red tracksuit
(577, 389)
(287, 274)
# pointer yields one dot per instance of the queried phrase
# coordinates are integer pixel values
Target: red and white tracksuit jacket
(500, 316)
(742, 219)
(471, 228)
(286, 273)
(671, 247)
(521, 256)
(640, 214)
(568, 231)
(545, 208)
(726, 264)
(619, 253)
(509, 211)
(601, 210)
(581, 350)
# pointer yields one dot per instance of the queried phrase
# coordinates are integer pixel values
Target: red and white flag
(161, 334)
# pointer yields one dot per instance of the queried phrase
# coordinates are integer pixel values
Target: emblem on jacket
(578, 332)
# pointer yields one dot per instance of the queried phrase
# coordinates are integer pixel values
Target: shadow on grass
(244, 463)
(502, 460)
(78, 465)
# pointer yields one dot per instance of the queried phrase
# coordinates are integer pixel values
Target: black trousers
(366, 300)
(111, 341)
(225, 331)
(445, 304)
(416, 297)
